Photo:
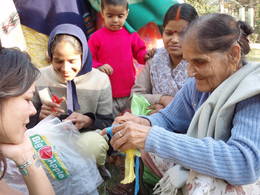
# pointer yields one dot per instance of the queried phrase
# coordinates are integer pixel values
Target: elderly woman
(212, 126)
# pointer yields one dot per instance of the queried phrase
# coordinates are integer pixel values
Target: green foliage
(203, 6)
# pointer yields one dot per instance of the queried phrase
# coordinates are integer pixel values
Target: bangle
(23, 168)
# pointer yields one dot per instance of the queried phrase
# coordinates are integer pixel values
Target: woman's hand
(155, 108)
(19, 153)
(165, 100)
(80, 120)
(130, 117)
(50, 108)
(106, 68)
(129, 135)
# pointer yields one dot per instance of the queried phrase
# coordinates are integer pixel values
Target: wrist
(145, 122)
(23, 158)
(88, 121)
(27, 166)
(161, 101)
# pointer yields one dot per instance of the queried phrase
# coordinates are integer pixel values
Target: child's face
(66, 61)
(114, 16)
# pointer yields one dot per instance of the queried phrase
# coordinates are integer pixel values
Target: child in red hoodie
(113, 49)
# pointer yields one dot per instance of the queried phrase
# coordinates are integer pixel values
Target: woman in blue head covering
(86, 92)
(70, 89)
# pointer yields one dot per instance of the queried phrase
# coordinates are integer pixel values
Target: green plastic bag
(139, 105)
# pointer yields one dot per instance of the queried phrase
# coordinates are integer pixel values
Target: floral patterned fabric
(198, 184)
(10, 27)
(165, 79)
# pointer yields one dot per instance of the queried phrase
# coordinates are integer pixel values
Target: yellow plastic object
(129, 167)
(138, 107)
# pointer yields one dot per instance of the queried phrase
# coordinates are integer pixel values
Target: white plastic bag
(68, 171)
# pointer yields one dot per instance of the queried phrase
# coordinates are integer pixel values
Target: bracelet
(23, 168)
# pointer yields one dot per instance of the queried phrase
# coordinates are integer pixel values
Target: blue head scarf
(70, 29)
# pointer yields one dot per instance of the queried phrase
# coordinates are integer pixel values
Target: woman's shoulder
(46, 75)
(160, 59)
(95, 78)
(160, 54)
(45, 70)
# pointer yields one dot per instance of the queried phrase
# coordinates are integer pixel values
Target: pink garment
(118, 48)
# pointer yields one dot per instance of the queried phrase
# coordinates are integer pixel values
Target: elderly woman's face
(15, 113)
(171, 36)
(66, 61)
(209, 69)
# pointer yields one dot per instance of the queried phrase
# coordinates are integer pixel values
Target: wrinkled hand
(150, 53)
(165, 100)
(129, 135)
(80, 120)
(50, 108)
(155, 108)
(19, 153)
(106, 68)
(131, 117)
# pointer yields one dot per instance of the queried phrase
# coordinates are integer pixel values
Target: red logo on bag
(46, 152)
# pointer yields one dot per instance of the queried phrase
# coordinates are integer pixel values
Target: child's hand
(150, 53)
(106, 68)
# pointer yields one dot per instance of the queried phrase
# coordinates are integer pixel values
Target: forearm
(33, 174)
(236, 161)
(37, 182)
(206, 156)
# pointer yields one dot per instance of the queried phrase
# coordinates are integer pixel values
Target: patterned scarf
(165, 79)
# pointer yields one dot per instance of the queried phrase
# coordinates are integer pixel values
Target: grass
(114, 170)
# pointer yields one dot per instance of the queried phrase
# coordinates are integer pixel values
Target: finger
(122, 119)
(79, 125)
(106, 71)
(116, 128)
(51, 104)
(111, 70)
(103, 132)
(152, 112)
(117, 143)
(150, 107)
(60, 111)
(45, 113)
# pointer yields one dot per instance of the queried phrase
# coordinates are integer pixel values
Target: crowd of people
(202, 134)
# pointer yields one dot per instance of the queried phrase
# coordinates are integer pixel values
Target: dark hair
(17, 74)
(180, 11)
(217, 32)
(123, 3)
(68, 38)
